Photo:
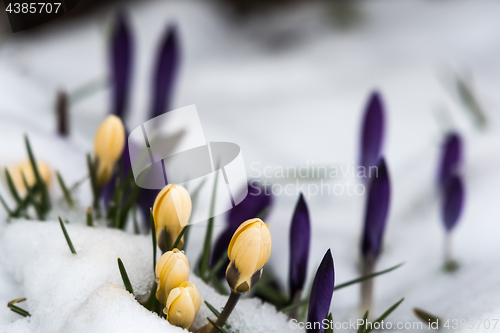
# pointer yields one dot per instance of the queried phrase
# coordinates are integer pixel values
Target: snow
(289, 90)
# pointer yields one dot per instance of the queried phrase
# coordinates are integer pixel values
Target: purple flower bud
(377, 208)
(300, 237)
(321, 293)
(453, 201)
(121, 65)
(255, 203)
(451, 157)
(167, 65)
(372, 136)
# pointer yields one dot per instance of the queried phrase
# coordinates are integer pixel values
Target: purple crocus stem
(167, 65)
(451, 158)
(121, 57)
(256, 202)
(453, 201)
(300, 237)
(376, 213)
(372, 132)
(321, 293)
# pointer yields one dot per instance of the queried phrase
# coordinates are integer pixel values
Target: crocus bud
(172, 269)
(171, 211)
(183, 304)
(109, 141)
(25, 168)
(248, 251)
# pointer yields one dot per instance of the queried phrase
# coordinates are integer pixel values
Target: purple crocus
(257, 202)
(300, 237)
(453, 201)
(451, 157)
(321, 293)
(167, 65)
(377, 208)
(121, 65)
(373, 130)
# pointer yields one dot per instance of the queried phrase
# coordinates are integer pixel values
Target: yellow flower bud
(171, 211)
(25, 168)
(172, 269)
(182, 305)
(248, 251)
(109, 141)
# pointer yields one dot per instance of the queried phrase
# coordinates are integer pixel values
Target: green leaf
(214, 310)
(31, 198)
(118, 211)
(305, 301)
(167, 240)
(65, 191)
(330, 324)
(40, 185)
(425, 316)
(361, 329)
(153, 234)
(93, 184)
(68, 240)
(90, 219)
(17, 309)
(366, 277)
(12, 188)
(132, 198)
(207, 245)
(6, 207)
(178, 239)
(220, 329)
(218, 265)
(134, 219)
(152, 302)
(125, 278)
(385, 315)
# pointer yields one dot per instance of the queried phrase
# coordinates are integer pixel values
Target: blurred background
(288, 81)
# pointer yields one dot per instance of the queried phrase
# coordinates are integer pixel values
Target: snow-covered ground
(289, 88)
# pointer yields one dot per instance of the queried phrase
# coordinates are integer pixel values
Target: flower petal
(321, 292)
(373, 131)
(451, 157)
(300, 238)
(454, 196)
(376, 212)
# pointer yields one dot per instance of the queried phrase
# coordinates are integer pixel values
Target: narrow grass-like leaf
(90, 219)
(207, 245)
(12, 188)
(31, 198)
(425, 316)
(330, 324)
(361, 329)
(367, 277)
(153, 234)
(304, 301)
(178, 239)
(385, 315)
(40, 185)
(214, 310)
(68, 240)
(134, 219)
(65, 191)
(126, 280)
(17, 309)
(93, 183)
(220, 329)
(6, 207)
(218, 265)
(118, 210)
(132, 198)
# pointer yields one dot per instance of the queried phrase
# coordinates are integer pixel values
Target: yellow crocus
(109, 141)
(171, 211)
(25, 168)
(172, 269)
(182, 305)
(248, 251)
